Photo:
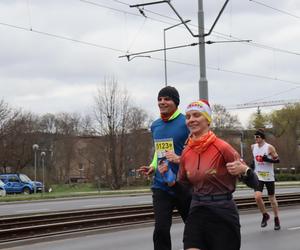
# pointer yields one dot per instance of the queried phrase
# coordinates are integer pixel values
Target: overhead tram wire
(153, 58)
(214, 33)
(258, 45)
(29, 14)
(117, 1)
(226, 36)
(231, 71)
(60, 37)
(275, 94)
(137, 34)
(123, 11)
(273, 8)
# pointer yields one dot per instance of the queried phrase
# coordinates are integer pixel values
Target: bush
(287, 177)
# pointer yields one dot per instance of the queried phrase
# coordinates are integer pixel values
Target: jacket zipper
(198, 162)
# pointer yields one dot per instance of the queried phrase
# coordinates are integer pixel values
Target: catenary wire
(60, 37)
(274, 94)
(216, 34)
(231, 71)
(273, 8)
(123, 11)
(153, 58)
(122, 51)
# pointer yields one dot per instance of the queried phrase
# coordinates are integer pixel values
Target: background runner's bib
(163, 145)
(264, 170)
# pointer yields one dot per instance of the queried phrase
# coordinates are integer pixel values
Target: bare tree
(138, 119)
(48, 123)
(222, 119)
(18, 136)
(111, 113)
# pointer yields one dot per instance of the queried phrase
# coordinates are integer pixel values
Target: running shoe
(264, 220)
(276, 223)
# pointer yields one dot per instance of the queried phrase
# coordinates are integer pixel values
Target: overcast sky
(42, 72)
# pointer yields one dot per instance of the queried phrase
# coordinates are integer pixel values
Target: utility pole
(203, 84)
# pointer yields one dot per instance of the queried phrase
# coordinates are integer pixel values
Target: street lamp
(43, 154)
(35, 148)
(242, 143)
(165, 51)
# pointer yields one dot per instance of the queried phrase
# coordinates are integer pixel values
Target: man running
(265, 156)
(169, 134)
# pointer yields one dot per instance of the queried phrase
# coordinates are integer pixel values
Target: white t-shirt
(264, 170)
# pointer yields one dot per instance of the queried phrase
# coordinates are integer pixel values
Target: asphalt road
(16, 208)
(253, 237)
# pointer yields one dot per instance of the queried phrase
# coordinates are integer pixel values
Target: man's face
(258, 138)
(166, 105)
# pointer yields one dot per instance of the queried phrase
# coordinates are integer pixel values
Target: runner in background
(265, 156)
(169, 134)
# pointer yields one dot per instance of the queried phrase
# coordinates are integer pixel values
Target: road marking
(294, 228)
(98, 205)
(142, 202)
(32, 210)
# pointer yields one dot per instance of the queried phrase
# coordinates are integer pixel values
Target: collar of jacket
(175, 115)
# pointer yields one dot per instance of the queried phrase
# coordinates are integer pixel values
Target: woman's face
(196, 122)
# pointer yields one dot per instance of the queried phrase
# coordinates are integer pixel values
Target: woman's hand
(237, 167)
(172, 157)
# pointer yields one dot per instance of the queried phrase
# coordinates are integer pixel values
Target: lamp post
(35, 148)
(43, 154)
(242, 143)
(165, 51)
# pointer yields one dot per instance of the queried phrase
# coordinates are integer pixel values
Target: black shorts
(270, 185)
(213, 228)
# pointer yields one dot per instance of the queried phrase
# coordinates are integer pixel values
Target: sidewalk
(278, 184)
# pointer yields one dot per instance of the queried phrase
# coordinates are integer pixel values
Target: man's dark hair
(170, 92)
(260, 132)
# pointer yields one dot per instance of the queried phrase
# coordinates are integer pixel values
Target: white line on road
(98, 205)
(294, 228)
(32, 210)
(142, 202)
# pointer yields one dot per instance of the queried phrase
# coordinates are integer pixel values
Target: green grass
(70, 188)
(74, 190)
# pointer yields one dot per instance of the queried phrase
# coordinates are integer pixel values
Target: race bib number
(263, 174)
(163, 145)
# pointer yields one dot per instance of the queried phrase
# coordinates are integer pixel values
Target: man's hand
(267, 159)
(146, 170)
(172, 157)
(237, 167)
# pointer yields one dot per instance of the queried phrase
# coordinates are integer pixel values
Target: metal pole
(242, 144)
(165, 58)
(35, 172)
(203, 88)
(35, 147)
(43, 154)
